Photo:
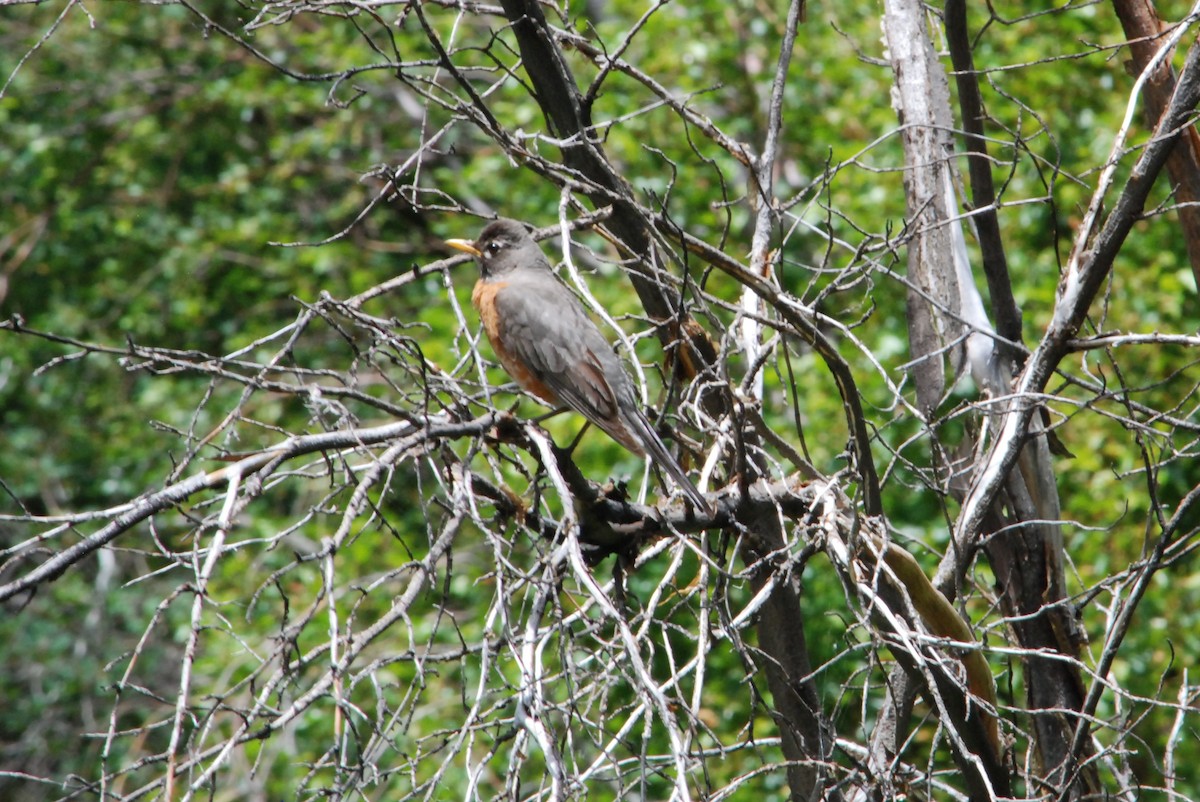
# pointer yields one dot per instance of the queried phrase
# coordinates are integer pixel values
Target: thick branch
(1005, 312)
(570, 121)
(1144, 30)
(921, 96)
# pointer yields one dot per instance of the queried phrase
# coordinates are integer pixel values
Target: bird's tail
(662, 457)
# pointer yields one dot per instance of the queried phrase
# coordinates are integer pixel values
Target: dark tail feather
(658, 452)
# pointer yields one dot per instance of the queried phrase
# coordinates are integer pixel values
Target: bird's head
(502, 247)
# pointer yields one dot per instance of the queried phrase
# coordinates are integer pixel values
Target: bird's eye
(494, 246)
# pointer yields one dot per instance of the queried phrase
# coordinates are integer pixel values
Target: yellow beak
(464, 245)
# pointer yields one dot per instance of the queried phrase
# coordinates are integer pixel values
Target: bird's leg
(571, 448)
(551, 414)
(558, 411)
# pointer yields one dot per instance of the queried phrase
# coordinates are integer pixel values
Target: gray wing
(549, 331)
(546, 328)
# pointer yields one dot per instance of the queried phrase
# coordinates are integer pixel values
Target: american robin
(549, 345)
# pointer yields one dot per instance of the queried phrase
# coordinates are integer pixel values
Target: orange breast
(483, 298)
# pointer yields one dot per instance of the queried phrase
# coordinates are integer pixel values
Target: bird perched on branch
(551, 347)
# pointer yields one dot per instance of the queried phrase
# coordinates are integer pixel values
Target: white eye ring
(493, 246)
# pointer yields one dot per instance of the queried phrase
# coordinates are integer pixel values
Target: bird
(549, 345)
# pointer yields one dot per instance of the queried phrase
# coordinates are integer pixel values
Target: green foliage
(152, 167)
